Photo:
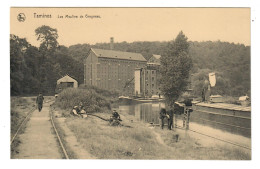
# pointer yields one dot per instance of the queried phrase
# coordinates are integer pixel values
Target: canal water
(149, 113)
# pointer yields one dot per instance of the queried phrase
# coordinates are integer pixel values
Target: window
(152, 78)
(152, 85)
(152, 72)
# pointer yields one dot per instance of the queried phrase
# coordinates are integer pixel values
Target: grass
(107, 142)
(141, 142)
(20, 106)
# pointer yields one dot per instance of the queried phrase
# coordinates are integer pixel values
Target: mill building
(112, 70)
(117, 70)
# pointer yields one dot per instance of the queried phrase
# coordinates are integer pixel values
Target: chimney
(111, 43)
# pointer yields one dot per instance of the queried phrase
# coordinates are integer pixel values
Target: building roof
(66, 78)
(155, 59)
(118, 54)
(157, 56)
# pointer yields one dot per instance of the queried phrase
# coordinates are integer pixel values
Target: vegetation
(20, 108)
(175, 69)
(48, 38)
(93, 99)
(230, 61)
(35, 70)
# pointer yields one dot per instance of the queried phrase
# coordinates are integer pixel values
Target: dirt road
(38, 141)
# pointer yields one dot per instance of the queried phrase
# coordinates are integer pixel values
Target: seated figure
(78, 110)
(115, 119)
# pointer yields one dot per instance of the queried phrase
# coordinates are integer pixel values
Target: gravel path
(38, 141)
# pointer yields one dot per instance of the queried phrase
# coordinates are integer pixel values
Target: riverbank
(141, 141)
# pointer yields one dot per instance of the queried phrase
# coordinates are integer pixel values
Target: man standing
(39, 101)
(170, 119)
(162, 116)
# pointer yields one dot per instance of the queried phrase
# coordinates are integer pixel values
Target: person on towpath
(39, 101)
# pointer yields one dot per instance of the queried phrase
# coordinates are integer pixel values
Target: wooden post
(174, 125)
(184, 117)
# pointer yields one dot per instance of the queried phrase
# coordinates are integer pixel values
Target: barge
(229, 117)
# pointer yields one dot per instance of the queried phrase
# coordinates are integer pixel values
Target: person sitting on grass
(75, 111)
(82, 108)
(115, 119)
(78, 110)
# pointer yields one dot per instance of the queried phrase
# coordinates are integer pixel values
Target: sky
(135, 24)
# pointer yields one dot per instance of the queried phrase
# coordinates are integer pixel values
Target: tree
(48, 37)
(222, 84)
(175, 68)
(18, 46)
(49, 71)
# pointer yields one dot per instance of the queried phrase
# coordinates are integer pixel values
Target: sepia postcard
(130, 83)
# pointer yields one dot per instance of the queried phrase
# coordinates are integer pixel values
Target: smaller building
(146, 79)
(66, 82)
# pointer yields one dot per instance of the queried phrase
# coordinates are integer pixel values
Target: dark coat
(187, 102)
(116, 115)
(170, 114)
(39, 99)
(162, 113)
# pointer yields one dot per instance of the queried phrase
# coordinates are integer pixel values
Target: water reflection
(147, 112)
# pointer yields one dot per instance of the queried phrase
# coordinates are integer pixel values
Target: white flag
(212, 79)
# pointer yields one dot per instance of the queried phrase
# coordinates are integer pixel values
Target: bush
(105, 93)
(92, 101)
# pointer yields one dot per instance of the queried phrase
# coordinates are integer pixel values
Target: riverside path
(38, 140)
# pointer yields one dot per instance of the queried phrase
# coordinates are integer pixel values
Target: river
(149, 113)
